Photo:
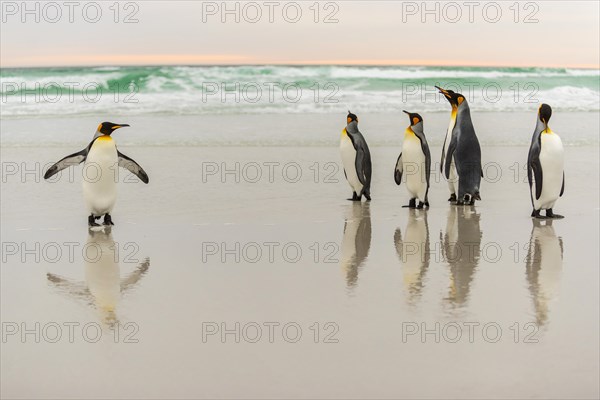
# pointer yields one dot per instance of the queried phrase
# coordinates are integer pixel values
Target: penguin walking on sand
(356, 159)
(415, 159)
(100, 192)
(464, 150)
(545, 166)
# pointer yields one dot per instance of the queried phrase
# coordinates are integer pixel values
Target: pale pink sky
(377, 33)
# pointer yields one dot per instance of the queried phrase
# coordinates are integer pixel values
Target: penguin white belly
(453, 178)
(100, 176)
(552, 162)
(413, 165)
(349, 162)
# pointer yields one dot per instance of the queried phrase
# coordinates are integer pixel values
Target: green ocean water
(201, 90)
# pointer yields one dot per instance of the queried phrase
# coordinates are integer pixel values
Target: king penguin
(452, 176)
(464, 150)
(545, 166)
(100, 190)
(356, 159)
(416, 158)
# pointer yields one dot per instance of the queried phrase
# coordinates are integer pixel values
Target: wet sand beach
(241, 271)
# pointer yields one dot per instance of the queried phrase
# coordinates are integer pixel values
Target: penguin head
(544, 114)
(106, 128)
(455, 99)
(416, 121)
(351, 117)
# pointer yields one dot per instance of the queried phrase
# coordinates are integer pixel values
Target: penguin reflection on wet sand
(103, 286)
(414, 252)
(415, 159)
(356, 159)
(461, 247)
(462, 148)
(100, 191)
(545, 166)
(356, 241)
(543, 267)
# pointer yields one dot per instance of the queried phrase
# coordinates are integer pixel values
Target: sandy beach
(332, 299)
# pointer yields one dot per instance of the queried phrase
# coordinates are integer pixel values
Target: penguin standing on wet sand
(464, 150)
(356, 159)
(100, 191)
(545, 166)
(452, 176)
(416, 156)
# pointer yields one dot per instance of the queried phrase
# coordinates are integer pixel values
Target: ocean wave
(188, 90)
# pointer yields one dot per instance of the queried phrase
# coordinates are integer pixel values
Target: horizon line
(344, 63)
(301, 64)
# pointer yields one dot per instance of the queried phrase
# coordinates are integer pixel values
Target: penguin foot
(355, 197)
(368, 197)
(411, 204)
(550, 214)
(91, 221)
(423, 204)
(536, 214)
(452, 197)
(107, 220)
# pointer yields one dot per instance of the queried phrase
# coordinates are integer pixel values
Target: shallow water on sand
(332, 298)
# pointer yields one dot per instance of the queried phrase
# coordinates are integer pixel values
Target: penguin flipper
(68, 161)
(398, 170)
(367, 170)
(427, 153)
(359, 164)
(536, 168)
(450, 155)
(442, 159)
(562, 188)
(132, 166)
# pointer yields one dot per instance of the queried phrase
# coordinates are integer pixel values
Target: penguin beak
(119, 126)
(445, 93)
